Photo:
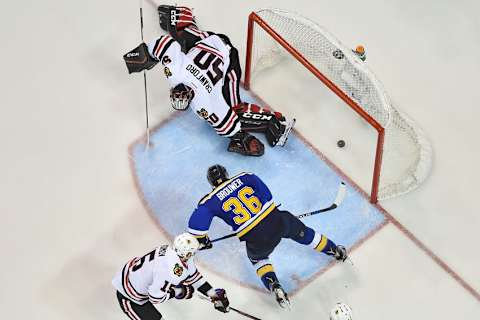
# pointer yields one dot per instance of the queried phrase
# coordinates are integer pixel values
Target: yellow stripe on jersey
(264, 269)
(257, 220)
(211, 194)
(321, 244)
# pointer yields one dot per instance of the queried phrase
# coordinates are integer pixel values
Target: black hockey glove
(139, 59)
(220, 300)
(205, 243)
(246, 144)
(184, 292)
(174, 19)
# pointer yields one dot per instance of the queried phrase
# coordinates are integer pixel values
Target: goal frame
(253, 19)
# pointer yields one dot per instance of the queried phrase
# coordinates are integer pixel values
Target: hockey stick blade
(244, 314)
(342, 191)
(231, 308)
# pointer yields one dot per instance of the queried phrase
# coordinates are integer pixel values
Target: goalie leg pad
(139, 59)
(246, 144)
(278, 131)
(257, 119)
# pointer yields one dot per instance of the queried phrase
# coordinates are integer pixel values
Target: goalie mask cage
(402, 157)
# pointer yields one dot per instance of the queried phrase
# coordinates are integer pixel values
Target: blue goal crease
(171, 177)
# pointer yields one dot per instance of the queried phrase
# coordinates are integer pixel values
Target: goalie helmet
(217, 174)
(341, 311)
(185, 245)
(181, 96)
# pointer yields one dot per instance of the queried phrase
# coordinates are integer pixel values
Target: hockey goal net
(400, 154)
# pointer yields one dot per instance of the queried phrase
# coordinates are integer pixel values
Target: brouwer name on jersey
(242, 202)
(234, 185)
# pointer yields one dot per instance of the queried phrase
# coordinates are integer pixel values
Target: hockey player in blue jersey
(245, 203)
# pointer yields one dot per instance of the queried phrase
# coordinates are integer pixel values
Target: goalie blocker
(139, 59)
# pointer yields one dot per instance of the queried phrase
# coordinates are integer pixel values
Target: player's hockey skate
(340, 253)
(288, 127)
(280, 295)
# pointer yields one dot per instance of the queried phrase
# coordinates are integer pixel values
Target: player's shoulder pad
(214, 191)
(200, 201)
(249, 174)
(241, 174)
(212, 44)
(161, 45)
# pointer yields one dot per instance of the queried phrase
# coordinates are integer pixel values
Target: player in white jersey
(204, 72)
(164, 273)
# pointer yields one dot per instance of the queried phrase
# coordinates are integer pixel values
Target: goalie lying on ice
(203, 70)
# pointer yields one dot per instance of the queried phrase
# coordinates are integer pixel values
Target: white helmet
(185, 245)
(341, 311)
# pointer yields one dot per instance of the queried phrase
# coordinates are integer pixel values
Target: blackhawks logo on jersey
(203, 113)
(167, 72)
(177, 270)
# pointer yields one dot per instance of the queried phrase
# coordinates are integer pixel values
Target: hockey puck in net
(341, 143)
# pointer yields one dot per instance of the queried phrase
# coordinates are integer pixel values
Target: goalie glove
(220, 300)
(184, 292)
(174, 19)
(246, 144)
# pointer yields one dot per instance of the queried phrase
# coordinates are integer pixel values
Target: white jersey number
(151, 256)
(204, 60)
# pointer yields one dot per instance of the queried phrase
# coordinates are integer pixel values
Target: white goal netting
(406, 153)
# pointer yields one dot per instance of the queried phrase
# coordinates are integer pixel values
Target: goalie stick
(232, 308)
(144, 80)
(342, 191)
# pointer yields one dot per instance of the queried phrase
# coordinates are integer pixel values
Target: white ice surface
(70, 210)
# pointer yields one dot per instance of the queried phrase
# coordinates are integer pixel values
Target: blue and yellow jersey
(242, 202)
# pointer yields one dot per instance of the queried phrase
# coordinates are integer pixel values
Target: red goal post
(377, 110)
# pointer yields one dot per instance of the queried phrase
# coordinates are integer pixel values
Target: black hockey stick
(144, 79)
(342, 191)
(244, 314)
(232, 308)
